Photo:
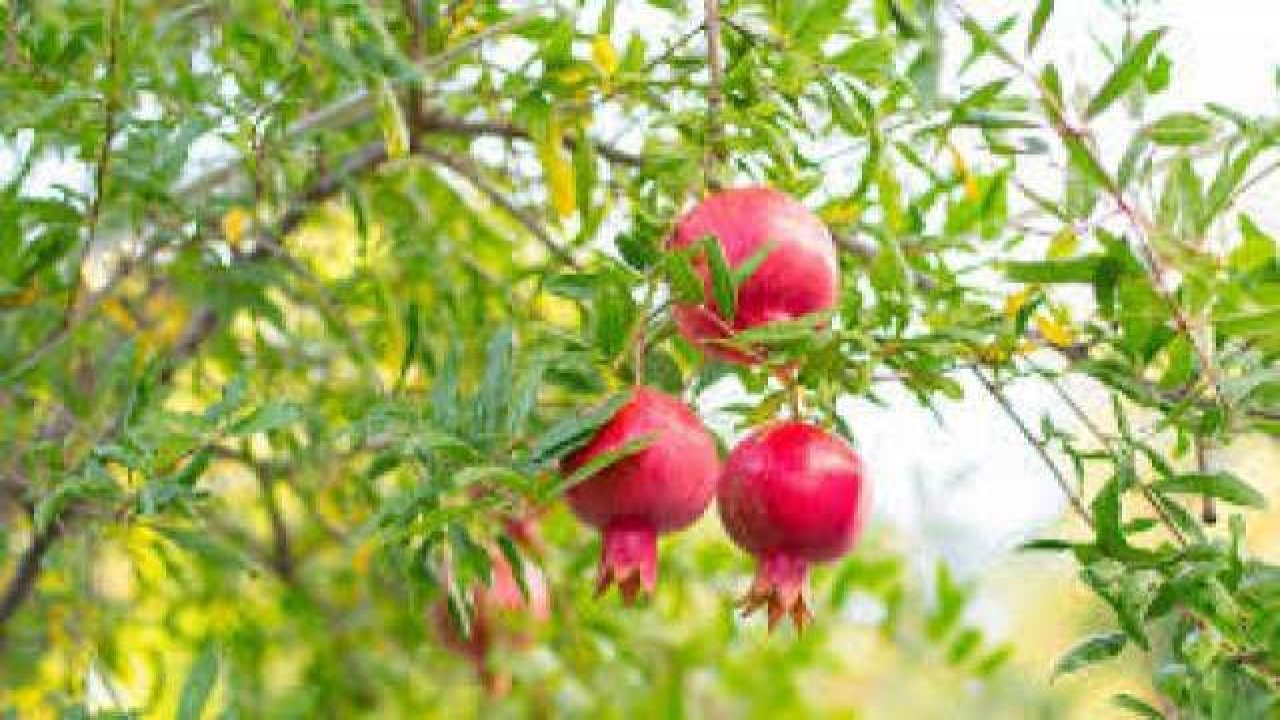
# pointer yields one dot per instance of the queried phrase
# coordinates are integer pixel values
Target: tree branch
(471, 174)
(1072, 497)
(19, 587)
(446, 125)
(715, 153)
(358, 106)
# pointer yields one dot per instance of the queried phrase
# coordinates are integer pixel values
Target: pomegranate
(499, 609)
(664, 487)
(800, 275)
(791, 494)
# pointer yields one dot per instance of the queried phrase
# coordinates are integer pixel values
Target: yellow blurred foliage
(235, 225)
(603, 55)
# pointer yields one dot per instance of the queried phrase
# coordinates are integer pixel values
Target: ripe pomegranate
(662, 488)
(500, 608)
(791, 494)
(799, 276)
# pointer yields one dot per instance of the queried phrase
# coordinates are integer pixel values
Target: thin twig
(11, 56)
(464, 169)
(359, 105)
(281, 552)
(110, 111)
(1205, 463)
(446, 125)
(1076, 503)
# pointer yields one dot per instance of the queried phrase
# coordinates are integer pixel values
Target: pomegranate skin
(799, 276)
(662, 488)
(791, 494)
(500, 609)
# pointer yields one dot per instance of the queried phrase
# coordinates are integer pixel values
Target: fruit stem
(790, 379)
(640, 335)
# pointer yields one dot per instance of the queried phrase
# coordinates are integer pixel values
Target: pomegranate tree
(499, 609)
(799, 274)
(663, 487)
(791, 494)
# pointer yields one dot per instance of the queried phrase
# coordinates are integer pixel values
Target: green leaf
(395, 131)
(598, 463)
(488, 473)
(869, 59)
(1141, 708)
(494, 396)
(266, 418)
(1077, 270)
(614, 312)
(199, 684)
(1083, 159)
(1130, 68)
(575, 430)
(748, 267)
(639, 249)
(193, 469)
(1090, 651)
(1039, 19)
(1221, 485)
(820, 19)
(1256, 248)
(722, 286)
(951, 599)
(1108, 517)
(413, 331)
(516, 561)
(1180, 130)
(685, 284)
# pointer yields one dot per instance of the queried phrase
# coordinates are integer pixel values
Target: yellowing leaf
(603, 55)
(1063, 244)
(574, 74)
(463, 22)
(841, 213)
(167, 317)
(235, 224)
(118, 314)
(1054, 330)
(360, 559)
(19, 298)
(993, 353)
(1017, 301)
(971, 190)
(558, 171)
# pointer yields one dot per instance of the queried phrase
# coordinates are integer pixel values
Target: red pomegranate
(799, 276)
(500, 609)
(662, 488)
(791, 494)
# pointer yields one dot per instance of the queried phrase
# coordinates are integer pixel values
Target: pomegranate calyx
(780, 586)
(629, 558)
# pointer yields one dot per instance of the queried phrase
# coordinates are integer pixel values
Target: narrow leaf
(198, 685)
(1039, 19)
(1221, 485)
(1129, 69)
(722, 286)
(1090, 651)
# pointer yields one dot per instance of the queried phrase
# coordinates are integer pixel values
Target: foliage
(299, 300)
